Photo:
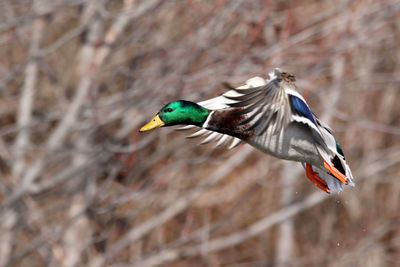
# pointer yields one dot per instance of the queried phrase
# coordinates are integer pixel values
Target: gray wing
(265, 106)
(209, 136)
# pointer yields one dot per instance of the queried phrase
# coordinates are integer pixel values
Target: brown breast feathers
(227, 121)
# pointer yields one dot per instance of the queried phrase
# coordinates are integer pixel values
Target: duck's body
(271, 116)
(294, 142)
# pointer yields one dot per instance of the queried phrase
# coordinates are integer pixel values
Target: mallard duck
(271, 116)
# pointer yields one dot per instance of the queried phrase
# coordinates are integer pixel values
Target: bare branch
(28, 92)
(180, 204)
(7, 236)
(237, 237)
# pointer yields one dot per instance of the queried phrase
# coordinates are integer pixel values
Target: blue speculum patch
(301, 108)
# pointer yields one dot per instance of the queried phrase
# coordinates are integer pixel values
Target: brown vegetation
(80, 186)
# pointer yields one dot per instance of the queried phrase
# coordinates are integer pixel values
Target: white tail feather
(334, 184)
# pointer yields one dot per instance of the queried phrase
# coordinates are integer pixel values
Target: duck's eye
(168, 110)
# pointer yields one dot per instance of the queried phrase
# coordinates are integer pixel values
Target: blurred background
(80, 186)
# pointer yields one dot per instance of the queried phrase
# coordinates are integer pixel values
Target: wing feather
(213, 137)
(201, 132)
(224, 140)
(266, 105)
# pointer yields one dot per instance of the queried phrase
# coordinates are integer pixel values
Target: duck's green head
(178, 112)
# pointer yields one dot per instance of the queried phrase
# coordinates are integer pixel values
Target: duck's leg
(315, 179)
(335, 172)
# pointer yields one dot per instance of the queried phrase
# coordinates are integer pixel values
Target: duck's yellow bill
(154, 123)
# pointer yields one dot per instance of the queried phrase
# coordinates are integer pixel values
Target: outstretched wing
(274, 105)
(327, 146)
(301, 113)
(266, 106)
(210, 136)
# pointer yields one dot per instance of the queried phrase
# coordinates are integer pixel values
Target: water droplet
(338, 244)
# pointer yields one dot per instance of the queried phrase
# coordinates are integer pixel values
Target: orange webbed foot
(315, 179)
